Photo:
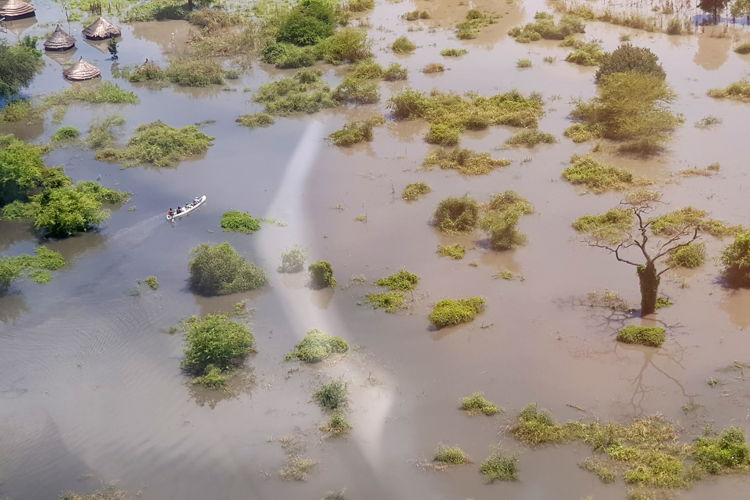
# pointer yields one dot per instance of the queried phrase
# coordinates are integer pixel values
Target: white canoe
(188, 209)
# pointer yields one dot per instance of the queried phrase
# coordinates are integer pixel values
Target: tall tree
(18, 65)
(646, 242)
(713, 7)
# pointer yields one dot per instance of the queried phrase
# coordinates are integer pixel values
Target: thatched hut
(81, 70)
(59, 40)
(16, 9)
(101, 29)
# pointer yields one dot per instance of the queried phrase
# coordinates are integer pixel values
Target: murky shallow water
(91, 389)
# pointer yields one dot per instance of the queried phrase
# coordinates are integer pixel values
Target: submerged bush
(474, 22)
(736, 261)
(102, 131)
(394, 72)
(587, 54)
(455, 252)
(239, 222)
(739, 91)
(457, 214)
(443, 135)
(160, 145)
(195, 72)
(292, 260)
(332, 396)
(346, 45)
(453, 52)
(499, 467)
(689, 256)
(466, 161)
(433, 68)
(414, 190)
(156, 10)
(337, 425)
(416, 14)
(212, 378)
(147, 72)
(723, 453)
(402, 281)
(152, 282)
(476, 403)
(214, 341)
(96, 93)
(544, 27)
(36, 267)
(523, 63)
(368, 69)
(321, 275)
(627, 58)
(530, 138)
(403, 45)
(256, 120)
(65, 134)
(317, 346)
(452, 455)
(450, 312)
(501, 218)
(357, 90)
(743, 48)
(644, 335)
(304, 92)
(389, 301)
(220, 270)
(286, 55)
(596, 176)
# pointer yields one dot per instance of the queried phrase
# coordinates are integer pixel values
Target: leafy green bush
(220, 270)
(337, 425)
(152, 282)
(739, 91)
(96, 93)
(307, 23)
(466, 161)
(321, 275)
(346, 45)
(736, 261)
(147, 72)
(160, 145)
(476, 403)
(239, 222)
(627, 58)
(725, 452)
(450, 455)
(644, 335)
(317, 346)
(286, 55)
(20, 63)
(587, 54)
(65, 134)
(395, 72)
(357, 90)
(690, 256)
(544, 27)
(456, 251)
(368, 69)
(213, 378)
(433, 68)
(332, 396)
(530, 138)
(304, 92)
(195, 72)
(501, 218)
(256, 120)
(292, 260)
(457, 214)
(474, 22)
(596, 176)
(389, 301)
(414, 190)
(403, 45)
(453, 52)
(101, 131)
(498, 467)
(402, 281)
(214, 341)
(449, 312)
(36, 267)
(443, 135)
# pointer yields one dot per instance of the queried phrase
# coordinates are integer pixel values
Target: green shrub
(152, 282)
(36, 267)
(337, 425)
(20, 110)
(449, 312)
(690, 256)
(452, 455)
(738, 90)
(455, 252)
(356, 90)
(414, 190)
(317, 346)
(433, 68)
(156, 10)
(466, 161)
(213, 378)
(743, 48)
(304, 92)
(195, 72)
(346, 45)
(535, 426)
(332, 396)
(65, 134)
(239, 222)
(160, 145)
(587, 54)
(674, 27)
(596, 176)
(214, 341)
(443, 135)
(736, 261)
(579, 132)
(403, 45)
(20, 63)
(498, 467)
(627, 58)
(644, 335)
(476, 403)
(101, 131)
(286, 55)
(389, 301)
(501, 219)
(395, 72)
(96, 93)
(544, 27)
(457, 214)
(530, 138)
(474, 22)
(523, 63)
(147, 72)
(292, 260)
(220, 270)
(657, 470)
(402, 281)
(367, 70)
(256, 120)
(725, 452)
(307, 23)
(453, 52)
(321, 275)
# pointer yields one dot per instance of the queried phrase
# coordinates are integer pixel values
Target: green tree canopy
(220, 270)
(23, 172)
(629, 58)
(18, 65)
(215, 341)
(714, 7)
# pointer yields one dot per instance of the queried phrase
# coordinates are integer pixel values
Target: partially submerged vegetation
(530, 138)
(403, 45)
(450, 455)
(475, 20)
(356, 132)
(239, 222)
(304, 92)
(256, 120)
(544, 27)
(689, 256)
(596, 176)
(160, 145)
(499, 467)
(645, 335)
(500, 220)
(433, 68)
(739, 91)
(317, 346)
(220, 270)
(585, 53)
(397, 283)
(415, 190)
(357, 91)
(102, 131)
(20, 62)
(477, 403)
(292, 260)
(321, 275)
(332, 396)
(453, 52)
(35, 267)
(466, 161)
(736, 261)
(455, 215)
(195, 72)
(455, 251)
(390, 302)
(450, 312)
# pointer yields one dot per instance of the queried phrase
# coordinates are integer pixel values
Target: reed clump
(466, 161)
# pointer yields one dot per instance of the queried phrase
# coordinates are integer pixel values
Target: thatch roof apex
(59, 40)
(101, 29)
(15, 9)
(82, 70)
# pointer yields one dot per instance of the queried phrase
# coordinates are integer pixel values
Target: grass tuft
(499, 467)
(332, 396)
(452, 455)
(466, 161)
(455, 252)
(739, 91)
(317, 346)
(403, 45)
(597, 177)
(256, 120)
(402, 281)
(530, 138)
(477, 403)
(453, 52)
(415, 190)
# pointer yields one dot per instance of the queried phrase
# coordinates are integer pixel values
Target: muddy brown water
(91, 389)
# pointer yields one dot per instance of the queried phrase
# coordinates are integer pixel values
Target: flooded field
(91, 390)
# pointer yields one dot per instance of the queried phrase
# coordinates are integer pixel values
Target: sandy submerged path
(90, 385)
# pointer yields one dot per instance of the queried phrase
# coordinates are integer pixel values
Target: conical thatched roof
(15, 9)
(59, 40)
(101, 29)
(81, 70)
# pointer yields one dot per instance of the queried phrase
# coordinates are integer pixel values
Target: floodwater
(90, 386)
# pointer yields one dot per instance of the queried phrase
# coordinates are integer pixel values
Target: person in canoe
(170, 212)
(196, 200)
